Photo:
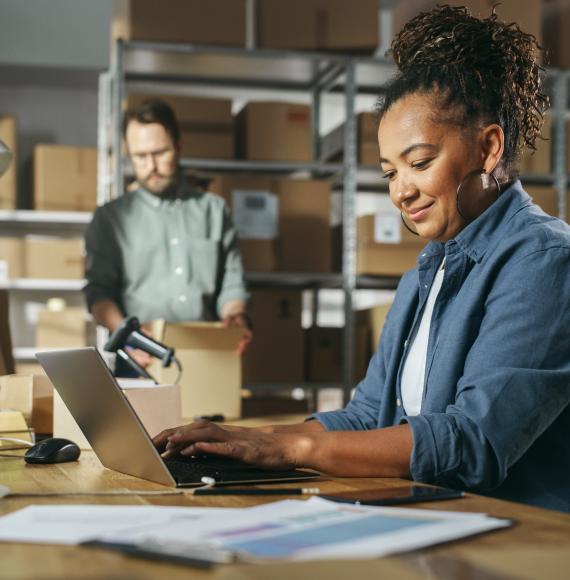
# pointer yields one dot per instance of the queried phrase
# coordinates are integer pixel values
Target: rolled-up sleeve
(516, 379)
(103, 266)
(232, 284)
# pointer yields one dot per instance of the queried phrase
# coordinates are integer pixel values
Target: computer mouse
(56, 450)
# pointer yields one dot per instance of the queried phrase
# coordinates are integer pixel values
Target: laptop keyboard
(192, 469)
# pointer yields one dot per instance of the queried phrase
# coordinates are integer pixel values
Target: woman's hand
(270, 450)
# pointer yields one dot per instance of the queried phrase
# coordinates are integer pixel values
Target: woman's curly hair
(482, 70)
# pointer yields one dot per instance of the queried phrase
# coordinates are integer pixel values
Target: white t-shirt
(413, 373)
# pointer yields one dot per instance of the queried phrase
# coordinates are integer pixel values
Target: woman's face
(425, 162)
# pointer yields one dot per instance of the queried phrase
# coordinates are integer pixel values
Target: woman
(470, 385)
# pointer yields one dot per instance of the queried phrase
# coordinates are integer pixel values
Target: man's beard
(165, 188)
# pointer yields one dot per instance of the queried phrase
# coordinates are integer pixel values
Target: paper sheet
(289, 530)
(73, 524)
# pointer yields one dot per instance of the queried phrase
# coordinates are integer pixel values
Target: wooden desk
(537, 548)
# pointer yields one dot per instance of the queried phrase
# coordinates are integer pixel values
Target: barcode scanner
(128, 334)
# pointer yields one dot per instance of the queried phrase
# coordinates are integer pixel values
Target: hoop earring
(462, 183)
(407, 226)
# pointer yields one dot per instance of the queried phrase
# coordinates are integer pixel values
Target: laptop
(119, 439)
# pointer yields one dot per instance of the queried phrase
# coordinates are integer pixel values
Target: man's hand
(241, 320)
(274, 451)
(141, 357)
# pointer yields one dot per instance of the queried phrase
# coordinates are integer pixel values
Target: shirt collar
(476, 237)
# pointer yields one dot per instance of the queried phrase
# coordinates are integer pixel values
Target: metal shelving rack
(285, 71)
(266, 70)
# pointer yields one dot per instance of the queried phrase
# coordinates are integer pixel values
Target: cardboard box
(157, 406)
(384, 247)
(16, 394)
(11, 258)
(325, 352)
(540, 160)
(304, 226)
(267, 131)
(9, 181)
(206, 125)
(319, 25)
(65, 178)
(67, 328)
(54, 258)
(556, 32)
(377, 316)
(277, 352)
(259, 255)
(42, 406)
(211, 367)
(391, 257)
(526, 13)
(13, 424)
(304, 239)
(366, 138)
(220, 22)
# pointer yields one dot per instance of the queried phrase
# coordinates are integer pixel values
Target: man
(163, 250)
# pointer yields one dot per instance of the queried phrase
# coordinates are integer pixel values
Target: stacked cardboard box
(65, 178)
(64, 328)
(206, 125)
(11, 258)
(302, 221)
(220, 22)
(42, 405)
(526, 13)
(277, 351)
(325, 352)
(8, 183)
(319, 25)
(384, 247)
(366, 138)
(54, 258)
(267, 131)
(41, 257)
(211, 367)
(32, 395)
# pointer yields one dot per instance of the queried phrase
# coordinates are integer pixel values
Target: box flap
(201, 336)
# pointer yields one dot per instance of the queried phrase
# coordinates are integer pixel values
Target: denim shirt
(495, 415)
(174, 258)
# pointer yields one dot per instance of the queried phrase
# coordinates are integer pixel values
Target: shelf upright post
(103, 133)
(349, 228)
(560, 157)
(118, 90)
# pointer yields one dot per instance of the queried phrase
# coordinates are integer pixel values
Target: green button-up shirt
(173, 258)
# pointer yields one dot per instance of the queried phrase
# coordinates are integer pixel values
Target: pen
(253, 491)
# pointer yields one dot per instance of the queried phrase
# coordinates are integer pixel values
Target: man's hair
(479, 71)
(154, 111)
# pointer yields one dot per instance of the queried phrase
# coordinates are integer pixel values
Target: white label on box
(4, 271)
(387, 228)
(255, 214)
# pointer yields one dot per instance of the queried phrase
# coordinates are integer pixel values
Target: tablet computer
(396, 495)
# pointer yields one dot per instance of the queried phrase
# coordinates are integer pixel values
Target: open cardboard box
(211, 367)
